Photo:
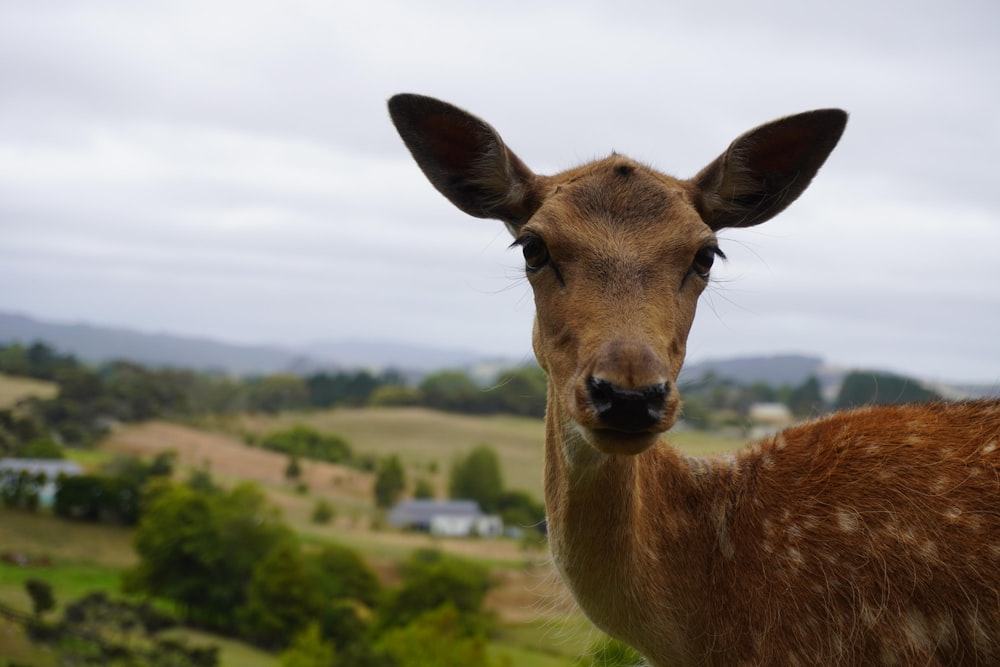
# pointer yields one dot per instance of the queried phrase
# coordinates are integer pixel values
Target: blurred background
(228, 294)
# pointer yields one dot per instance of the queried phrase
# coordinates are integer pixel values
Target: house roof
(420, 512)
(51, 467)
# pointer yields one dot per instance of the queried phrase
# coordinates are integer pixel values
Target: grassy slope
(14, 389)
(425, 438)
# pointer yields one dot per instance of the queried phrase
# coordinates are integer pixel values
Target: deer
(863, 537)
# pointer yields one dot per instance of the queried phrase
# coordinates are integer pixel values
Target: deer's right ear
(465, 159)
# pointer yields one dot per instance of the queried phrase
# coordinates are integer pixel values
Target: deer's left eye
(704, 259)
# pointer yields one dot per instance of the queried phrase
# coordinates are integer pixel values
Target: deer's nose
(629, 410)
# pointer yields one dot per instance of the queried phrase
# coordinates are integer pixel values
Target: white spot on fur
(795, 556)
(940, 486)
(847, 521)
(916, 631)
(867, 616)
(989, 447)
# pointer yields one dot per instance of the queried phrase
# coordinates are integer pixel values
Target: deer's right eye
(536, 255)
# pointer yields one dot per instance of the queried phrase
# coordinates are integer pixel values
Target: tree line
(91, 397)
(713, 401)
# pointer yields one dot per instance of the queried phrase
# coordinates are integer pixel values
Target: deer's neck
(630, 533)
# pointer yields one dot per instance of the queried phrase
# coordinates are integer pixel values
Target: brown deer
(870, 537)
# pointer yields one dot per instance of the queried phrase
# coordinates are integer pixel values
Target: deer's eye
(704, 259)
(536, 255)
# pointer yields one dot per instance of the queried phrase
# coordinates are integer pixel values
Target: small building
(51, 468)
(445, 518)
(769, 418)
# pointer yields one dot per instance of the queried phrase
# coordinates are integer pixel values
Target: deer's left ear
(767, 168)
(466, 160)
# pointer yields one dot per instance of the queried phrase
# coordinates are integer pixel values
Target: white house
(451, 518)
(52, 468)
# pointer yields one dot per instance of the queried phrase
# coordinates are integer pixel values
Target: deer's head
(616, 253)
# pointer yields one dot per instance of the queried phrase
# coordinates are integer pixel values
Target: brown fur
(866, 538)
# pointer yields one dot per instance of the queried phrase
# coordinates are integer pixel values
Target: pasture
(14, 389)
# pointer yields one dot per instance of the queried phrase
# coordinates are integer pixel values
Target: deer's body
(870, 537)
(866, 538)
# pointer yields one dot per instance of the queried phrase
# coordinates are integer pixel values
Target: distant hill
(778, 370)
(384, 354)
(98, 344)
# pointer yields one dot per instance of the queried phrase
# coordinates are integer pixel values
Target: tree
(281, 597)
(42, 598)
(432, 580)
(41, 448)
(695, 412)
(806, 400)
(304, 441)
(519, 391)
(276, 393)
(436, 639)
(452, 390)
(308, 649)
(294, 469)
(323, 512)
(353, 388)
(881, 389)
(340, 573)
(423, 489)
(199, 549)
(477, 477)
(519, 509)
(98, 630)
(21, 489)
(390, 481)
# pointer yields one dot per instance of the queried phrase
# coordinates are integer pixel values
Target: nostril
(627, 409)
(602, 394)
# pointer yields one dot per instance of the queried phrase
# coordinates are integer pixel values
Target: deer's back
(870, 537)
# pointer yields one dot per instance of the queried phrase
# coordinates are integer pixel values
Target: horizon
(311, 351)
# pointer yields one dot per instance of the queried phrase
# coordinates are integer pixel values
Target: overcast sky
(228, 169)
